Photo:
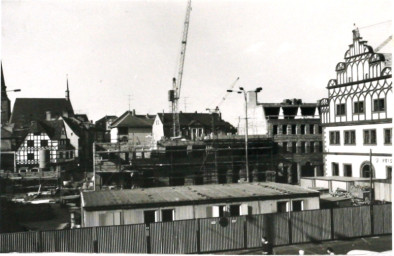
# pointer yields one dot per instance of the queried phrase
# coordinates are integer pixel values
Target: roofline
(202, 201)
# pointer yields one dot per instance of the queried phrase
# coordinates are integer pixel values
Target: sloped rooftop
(197, 194)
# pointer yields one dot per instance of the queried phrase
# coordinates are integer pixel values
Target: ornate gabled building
(357, 117)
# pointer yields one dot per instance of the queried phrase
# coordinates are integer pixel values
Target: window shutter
(215, 211)
(116, 218)
(209, 211)
(244, 209)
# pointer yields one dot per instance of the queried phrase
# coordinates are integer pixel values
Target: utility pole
(246, 139)
(241, 90)
(370, 176)
(94, 166)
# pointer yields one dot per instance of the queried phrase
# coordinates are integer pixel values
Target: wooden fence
(209, 235)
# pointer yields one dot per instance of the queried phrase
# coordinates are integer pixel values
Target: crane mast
(175, 93)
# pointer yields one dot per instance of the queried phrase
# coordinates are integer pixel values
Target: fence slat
(215, 234)
(382, 219)
(219, 234)
(352, 222)
(19, 242)
(274, 226)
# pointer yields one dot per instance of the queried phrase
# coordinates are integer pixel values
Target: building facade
(134, 129)
(103, 128)
(295, 128)
(357, 117)
(194, 126)
(137, 206)
(46, 147)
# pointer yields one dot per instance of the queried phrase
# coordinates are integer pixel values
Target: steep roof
(131, 120)
(29, 109)
(82, 117)
(188, 119)
(106, 118)
(52, 128)
(135, 198)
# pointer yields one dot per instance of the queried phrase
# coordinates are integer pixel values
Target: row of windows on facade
(60, 155)
(288, 129)
(233, 210)
(365, 171)
(369, 137)
(359, 107)
(44, 143)
(302, 147)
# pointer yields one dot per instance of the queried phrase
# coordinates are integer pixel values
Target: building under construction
(175, 163)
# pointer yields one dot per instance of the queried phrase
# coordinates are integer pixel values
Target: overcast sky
(112, 49)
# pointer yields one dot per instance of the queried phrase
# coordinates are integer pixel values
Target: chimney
(48, 116)
(65, 113)
(32, 123)
(133, 113)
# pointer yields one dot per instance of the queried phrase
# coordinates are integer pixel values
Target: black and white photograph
(259, 127)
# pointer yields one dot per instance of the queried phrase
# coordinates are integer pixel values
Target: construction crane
(174, 94)
(226, 95)
(383, 44)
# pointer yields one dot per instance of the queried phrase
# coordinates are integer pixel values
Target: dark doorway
(294, 176)
(307, 170)
(149, 217)
(167, 215)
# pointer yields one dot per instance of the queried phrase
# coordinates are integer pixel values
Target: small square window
(44, 143)
(369, 137)
(347, 170)
(30, 156)
(282, 207)
(335, 138)
(379, 105)
(297, 205)
(358, 107)
(234, 210)
(341, 109)
(167, 215)
(350, 137)
(30, 143)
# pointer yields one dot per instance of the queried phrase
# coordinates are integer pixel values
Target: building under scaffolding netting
(177, 163)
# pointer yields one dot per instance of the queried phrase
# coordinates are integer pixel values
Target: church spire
(67, 91)
(3, 87)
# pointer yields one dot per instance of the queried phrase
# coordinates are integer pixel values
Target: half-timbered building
(46, 147)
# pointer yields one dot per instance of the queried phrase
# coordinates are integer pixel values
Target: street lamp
(242, 90)
(15, 90)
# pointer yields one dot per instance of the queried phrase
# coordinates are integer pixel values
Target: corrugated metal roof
(195, 194)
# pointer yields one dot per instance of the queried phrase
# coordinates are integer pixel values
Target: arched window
(365, 170)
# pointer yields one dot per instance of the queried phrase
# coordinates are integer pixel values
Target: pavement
(375, 243)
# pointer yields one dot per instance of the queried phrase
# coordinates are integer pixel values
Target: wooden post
(94, 166)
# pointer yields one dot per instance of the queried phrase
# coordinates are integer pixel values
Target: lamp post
(240, 91)
(15, 90)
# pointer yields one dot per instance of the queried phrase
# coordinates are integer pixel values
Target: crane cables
(379, 23)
